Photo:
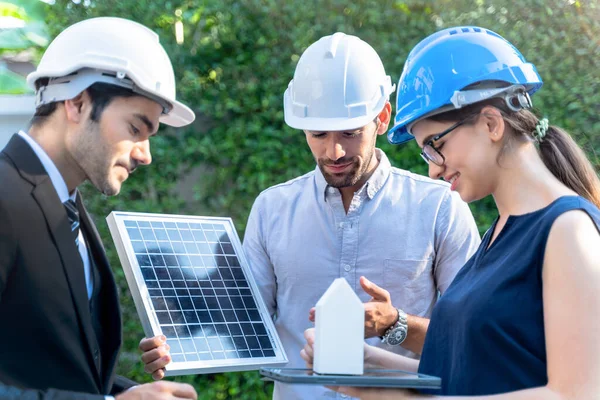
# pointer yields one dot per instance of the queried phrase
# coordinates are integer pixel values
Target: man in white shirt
(397, 238)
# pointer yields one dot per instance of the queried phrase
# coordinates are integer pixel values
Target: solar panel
(190, 282)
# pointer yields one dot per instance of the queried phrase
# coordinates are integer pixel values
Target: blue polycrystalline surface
(199, 291)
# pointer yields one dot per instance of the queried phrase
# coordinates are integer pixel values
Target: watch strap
(400, 324)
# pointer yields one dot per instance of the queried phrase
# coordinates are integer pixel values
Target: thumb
(378, 294)
(349, 391)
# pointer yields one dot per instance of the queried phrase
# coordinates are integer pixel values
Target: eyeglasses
(432, 154)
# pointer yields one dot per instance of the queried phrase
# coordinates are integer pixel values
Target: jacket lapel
(32, 170)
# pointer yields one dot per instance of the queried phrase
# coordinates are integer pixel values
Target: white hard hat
(339, 84)
(111, 50)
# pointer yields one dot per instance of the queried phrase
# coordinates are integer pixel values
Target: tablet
(371, 378)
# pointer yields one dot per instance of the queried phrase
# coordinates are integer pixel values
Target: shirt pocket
(411, 284)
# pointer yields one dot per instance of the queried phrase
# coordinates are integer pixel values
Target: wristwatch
(396, 334)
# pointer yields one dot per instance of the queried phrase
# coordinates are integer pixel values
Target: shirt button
(347, 267)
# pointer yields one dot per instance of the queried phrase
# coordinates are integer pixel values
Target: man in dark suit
(103, 86)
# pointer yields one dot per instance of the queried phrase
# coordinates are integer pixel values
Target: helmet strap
(516, 97)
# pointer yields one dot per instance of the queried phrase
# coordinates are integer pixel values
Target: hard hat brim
(180, 115)
(328, 124)
(399, 135)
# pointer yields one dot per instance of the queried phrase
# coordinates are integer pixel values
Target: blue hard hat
(456, 67)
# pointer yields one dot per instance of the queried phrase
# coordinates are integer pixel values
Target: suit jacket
(48, 341)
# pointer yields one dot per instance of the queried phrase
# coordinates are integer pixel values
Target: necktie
(73, 215)
(94, 304)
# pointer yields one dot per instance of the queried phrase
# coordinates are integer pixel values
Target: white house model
(339, 331)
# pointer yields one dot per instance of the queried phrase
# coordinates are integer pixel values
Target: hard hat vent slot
(358, 110)
(494, 34)
(300, 110)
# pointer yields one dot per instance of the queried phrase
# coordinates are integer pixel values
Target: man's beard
(91, 153)
(343, 179)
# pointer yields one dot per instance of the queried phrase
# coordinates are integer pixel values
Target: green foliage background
(233, 67)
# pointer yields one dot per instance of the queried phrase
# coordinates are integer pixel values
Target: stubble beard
(344, 179)
(349, 178)
(93, 156)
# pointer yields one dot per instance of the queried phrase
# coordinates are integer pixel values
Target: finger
(175, 389)
(184, 391)
(155, 354)
(308, 349)
(308, 360)
(158, 375)
(311, 315)
(350, 391)
(378, 294)
(309, 335)
(155, 365)
(151, 343)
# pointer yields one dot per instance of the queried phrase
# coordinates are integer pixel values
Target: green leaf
(11, 83)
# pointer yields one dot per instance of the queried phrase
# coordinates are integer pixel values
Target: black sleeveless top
(486, 334)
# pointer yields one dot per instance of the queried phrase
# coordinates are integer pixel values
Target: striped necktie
(95, 304)
(73, 215)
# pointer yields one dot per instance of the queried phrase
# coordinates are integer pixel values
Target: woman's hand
(307, 353)
(376, 393)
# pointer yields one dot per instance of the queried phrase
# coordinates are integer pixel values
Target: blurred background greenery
(234, 62)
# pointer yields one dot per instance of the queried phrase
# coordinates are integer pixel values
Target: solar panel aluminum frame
(145, 308)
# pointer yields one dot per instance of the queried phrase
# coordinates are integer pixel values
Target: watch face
(397, 336)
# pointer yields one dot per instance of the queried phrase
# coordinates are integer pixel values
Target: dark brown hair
(101, 94)
(559, 152)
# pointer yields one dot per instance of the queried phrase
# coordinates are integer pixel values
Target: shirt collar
(380, 175)
(57, 180)
(321, 182)
(374, 183)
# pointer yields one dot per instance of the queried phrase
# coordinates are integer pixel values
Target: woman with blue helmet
(520, 320)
